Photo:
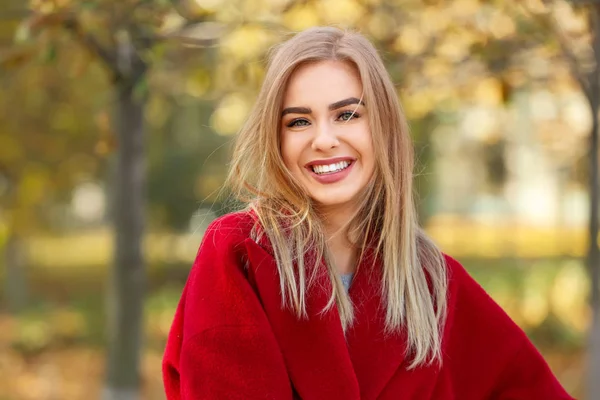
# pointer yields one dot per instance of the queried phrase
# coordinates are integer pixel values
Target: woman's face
(325, 138)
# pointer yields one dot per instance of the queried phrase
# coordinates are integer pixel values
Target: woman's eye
(348, 115)
(297, 123)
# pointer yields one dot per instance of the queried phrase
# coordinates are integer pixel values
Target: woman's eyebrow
(333, 106)
(296, 110)
(345, 102)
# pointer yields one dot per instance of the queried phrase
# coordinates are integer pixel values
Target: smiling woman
(324, 286)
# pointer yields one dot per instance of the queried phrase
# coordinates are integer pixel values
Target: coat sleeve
(221, 344)
(488, 355)
(528, 376)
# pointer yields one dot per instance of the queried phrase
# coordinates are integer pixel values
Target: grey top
(347, 280)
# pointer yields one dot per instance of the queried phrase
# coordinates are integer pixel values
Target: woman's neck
(341, 248)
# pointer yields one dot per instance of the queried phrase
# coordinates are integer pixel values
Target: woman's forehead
(322, 83)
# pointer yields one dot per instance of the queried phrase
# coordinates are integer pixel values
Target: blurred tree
(575, 25)
(120, 36)
(45, 145)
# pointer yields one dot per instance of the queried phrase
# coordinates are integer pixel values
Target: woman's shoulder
(460, 281)
(231, 235)
(462, 287)
(229, 229)
(484, 345)
(471, 307)
(453, 266)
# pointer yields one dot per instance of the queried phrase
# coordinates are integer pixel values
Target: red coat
(231, 339)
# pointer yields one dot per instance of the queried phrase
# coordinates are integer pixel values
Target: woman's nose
(325, 138)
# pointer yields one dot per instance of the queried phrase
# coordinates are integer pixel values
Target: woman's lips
(331, 177)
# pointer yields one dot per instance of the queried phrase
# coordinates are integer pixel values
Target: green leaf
(141, 89)
(49, 54)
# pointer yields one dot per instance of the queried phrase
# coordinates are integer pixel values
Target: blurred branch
(91, 43)
(550, 24)
(595, 74)
(198, 34)
(584, 2)
(69, 21)
(122, 59)
(578, 73)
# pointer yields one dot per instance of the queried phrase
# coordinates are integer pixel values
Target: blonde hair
(414, 283)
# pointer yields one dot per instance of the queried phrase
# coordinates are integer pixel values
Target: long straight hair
(414, 282)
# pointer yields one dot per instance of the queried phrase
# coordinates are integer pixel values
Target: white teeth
(323, 169)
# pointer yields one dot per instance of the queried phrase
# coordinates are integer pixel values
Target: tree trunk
(593, 259)
(15, 280)
(128, 279)
(593, 251)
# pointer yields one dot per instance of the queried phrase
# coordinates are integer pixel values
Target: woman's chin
(340, 200)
